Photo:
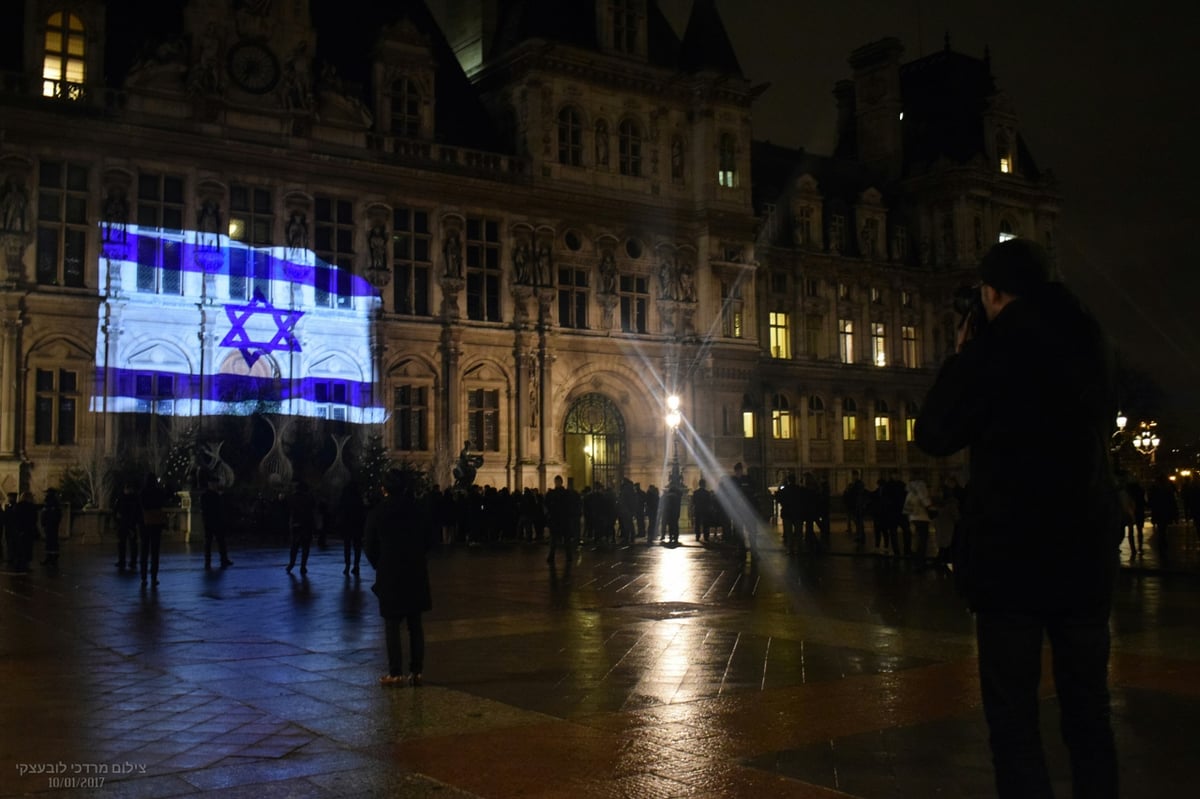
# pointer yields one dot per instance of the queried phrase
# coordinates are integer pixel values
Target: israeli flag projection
(197, 324)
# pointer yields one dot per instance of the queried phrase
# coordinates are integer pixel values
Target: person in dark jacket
(563, 508)
(22, 526)
(212, 513)
(52, 514)
(1041, 527)
(153, 500)
(396, 542)
(302, 525)
(352, 515)
(127, 511)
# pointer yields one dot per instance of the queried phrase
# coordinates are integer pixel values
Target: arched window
(727, 161)
(629, 152)
(570, 137)
(781, 417)
(406, 108)
(816, 418)
(1006, 230)
(849, 420)
(911, 412)
(883, 421)
(1004, 153)
(63, 70)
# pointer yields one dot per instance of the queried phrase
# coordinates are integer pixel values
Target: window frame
(412, 274)
(62, 225)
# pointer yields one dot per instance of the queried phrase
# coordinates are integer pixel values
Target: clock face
(253, 67)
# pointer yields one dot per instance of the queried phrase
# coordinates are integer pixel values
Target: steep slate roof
(706, 45)
(774, 168)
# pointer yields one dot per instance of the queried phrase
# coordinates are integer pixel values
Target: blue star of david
(284, 339)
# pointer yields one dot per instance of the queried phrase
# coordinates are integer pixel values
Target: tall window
(1004, 152)
(572, 298)
(329, 399)
(411, 256)
(629, 148)
(870, 237)
(160, 206)
(747, 424)
(483, 270)
(731, 310)
(879, 344)
(334, 240)
(635, 297)
(410, 409)
(406, 108)
(812, 336)
(251, 220)
(804, 225)
(908, 345)
(62, 223)
(781, 418)
(883, 422)
(911, 412)
(483, 419)
(63, 68)
(812, 287)
(816, 418)
(57, 395)
(155, 395)
(849, 420)
(570, 137)
(837, 233)
(625, 25)
(846, 340)
(780, 335)
(876, 296)
(727, 161)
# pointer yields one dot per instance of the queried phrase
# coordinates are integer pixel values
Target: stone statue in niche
(206, 73)
(452, 250)
(543, 275)
(377, 247)
(608, 273)
(601, 143)
(676, 158)
(687, 282)
(522, 274)
(116, 215)
(208, 225)
(297, 231)
(14, 207)
(295, 88)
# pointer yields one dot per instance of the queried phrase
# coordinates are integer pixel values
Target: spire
(706, 45)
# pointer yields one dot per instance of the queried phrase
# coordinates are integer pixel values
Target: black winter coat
(396, 542)
(1034, 398)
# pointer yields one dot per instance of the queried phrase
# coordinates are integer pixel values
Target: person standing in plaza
(302, 524)
(1038, 554)
(855, 498)
(563, 507)
(212, 513)
(352, 516)
(127, 512)
(702, 510)
(396, 541)
(52, 514)
(153, 500)
(22, 526)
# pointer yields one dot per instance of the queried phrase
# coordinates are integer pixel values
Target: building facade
(522, 225)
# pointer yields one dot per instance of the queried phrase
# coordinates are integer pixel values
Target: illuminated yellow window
(910, 429)
(883, 428)
(748, 424)
(849, 420)
(780, 336)
(63, 71)
(846, 340)
(879, 344)
(781, 418)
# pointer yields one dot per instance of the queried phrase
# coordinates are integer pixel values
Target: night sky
(1105, 101)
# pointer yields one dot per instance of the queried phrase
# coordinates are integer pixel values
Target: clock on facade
(253, 67)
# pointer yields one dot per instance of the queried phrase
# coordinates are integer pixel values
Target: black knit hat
(1016, 266)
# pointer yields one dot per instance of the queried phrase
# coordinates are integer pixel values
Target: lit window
(883, 422)
(906, 299)
(406, 108)
(1004, 153)
(849, 420)
(846, 340)
(876, 296)
(731, 310)
(911, 411)
(908, 341)
(878, 344)
(780, 336)
(1006, 230)
(570, 137)
(781, 418)
(727, 162)
(63, 64)
(747, 424)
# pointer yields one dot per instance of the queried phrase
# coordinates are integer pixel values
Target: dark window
(160, 248)
(251, 221)
(62, 223)
(406, 108)
(629, 154)
(56, 394)
(483, 270)
(411, 254)
(635, 297)
(334, 238)
(409, 411)
(570, 137)
(572, 298)
(483, 419)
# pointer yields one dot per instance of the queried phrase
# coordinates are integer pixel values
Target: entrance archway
(594, 439)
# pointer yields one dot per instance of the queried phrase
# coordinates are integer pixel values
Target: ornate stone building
(522, 224)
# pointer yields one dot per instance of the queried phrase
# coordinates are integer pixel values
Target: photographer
(1040, 528)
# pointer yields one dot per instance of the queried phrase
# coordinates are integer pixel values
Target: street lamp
(674, 417)
(1146, 440)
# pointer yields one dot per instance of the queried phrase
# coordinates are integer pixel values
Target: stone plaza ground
(648, 672)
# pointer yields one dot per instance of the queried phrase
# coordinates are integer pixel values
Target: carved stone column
(10, 378)
(449, 401)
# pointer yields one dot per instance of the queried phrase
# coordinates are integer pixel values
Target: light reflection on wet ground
(648, 672)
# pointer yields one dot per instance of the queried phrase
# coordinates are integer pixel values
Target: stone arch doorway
(594, 440)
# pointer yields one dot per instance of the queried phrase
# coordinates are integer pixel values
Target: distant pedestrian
(396, 542)
(302, 524)
(352, 516)
(563, 507)
(153, 500)
(22, 522)
(212, 514)
(52, 514)
(127, 513)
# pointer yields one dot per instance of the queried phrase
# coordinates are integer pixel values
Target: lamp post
(674, 417)
(1146, 440)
